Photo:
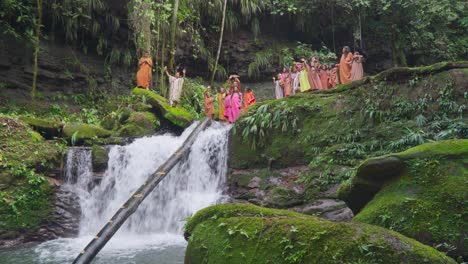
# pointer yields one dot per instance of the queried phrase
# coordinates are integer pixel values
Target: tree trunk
(333, 24)
(172, 48)
(220, 43)
(163, 51)
(36, 48)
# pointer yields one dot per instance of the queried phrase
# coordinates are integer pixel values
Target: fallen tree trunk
(106, 233)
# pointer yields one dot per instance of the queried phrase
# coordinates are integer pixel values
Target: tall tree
(37, 47)
(220, 44)
(172, 48)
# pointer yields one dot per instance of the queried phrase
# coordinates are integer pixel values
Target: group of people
(305, 76)
(231, 102)
(308, 76)
(145, 65)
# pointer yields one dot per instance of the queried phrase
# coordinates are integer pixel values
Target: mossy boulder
(140, 124)
(100, 158)
(240, 233)
(178, 116)
(25, 158)
(46, 127)
(81, 132)
(421, 193)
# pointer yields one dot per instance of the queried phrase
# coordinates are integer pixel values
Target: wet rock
(255, 182)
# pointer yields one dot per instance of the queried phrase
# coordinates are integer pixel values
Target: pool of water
(161, 249)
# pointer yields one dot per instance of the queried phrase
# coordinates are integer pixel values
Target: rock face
(421, 193)
(175, 115)
(235, 233)
(63, 221)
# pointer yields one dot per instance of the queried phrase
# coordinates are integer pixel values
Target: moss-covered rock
(100, 158)
(47, 128)
(176, 115)
(25, 157)
(81, 132)
(421, 193)
(140, 124)
(235, 233)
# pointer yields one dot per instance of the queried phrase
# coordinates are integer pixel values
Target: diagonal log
(119, 218)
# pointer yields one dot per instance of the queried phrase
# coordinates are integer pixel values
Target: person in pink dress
(236, 105)
(227, 107)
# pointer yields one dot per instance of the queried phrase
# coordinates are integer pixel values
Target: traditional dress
(144, 73)
(286, 84)
(334, 77)
(314, 78)
(249, 99)
(357, 72)
(235, 106)
(209, 105)
(295, 77)
(278, 89)
(304, 80)
(176, 89)
(345, 68)
(228, 106)
(221, 97)
(324, 79)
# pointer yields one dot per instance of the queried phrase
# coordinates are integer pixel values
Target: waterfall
(195, 183)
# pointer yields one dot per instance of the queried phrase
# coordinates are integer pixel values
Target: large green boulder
(241, 233)
(81, 132)
(178, 116)
(140, 124)
(46, 127)
(421, 193)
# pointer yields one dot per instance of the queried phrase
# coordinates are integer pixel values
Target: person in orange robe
(313, 76)
(345, 65)
(324, 76)
(249, 99)
(145, 65)
(334, 76)
(209, 103)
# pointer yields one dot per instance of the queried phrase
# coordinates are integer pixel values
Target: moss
(425, 198)
(24, 193)
(235, 233)
(47, 128)
(21, 146)
(80, 132)
(100, 158)
(176, 115)
(283, 198)
(110, 122)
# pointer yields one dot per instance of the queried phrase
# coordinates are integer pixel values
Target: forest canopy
(407, 32)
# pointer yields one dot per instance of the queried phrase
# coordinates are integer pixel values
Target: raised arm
(167, 72)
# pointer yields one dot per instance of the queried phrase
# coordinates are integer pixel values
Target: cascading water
(154, 231)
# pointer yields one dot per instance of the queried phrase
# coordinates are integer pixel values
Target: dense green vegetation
(406, 32)
(25, 159)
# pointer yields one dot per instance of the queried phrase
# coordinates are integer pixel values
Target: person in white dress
(177, 83)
